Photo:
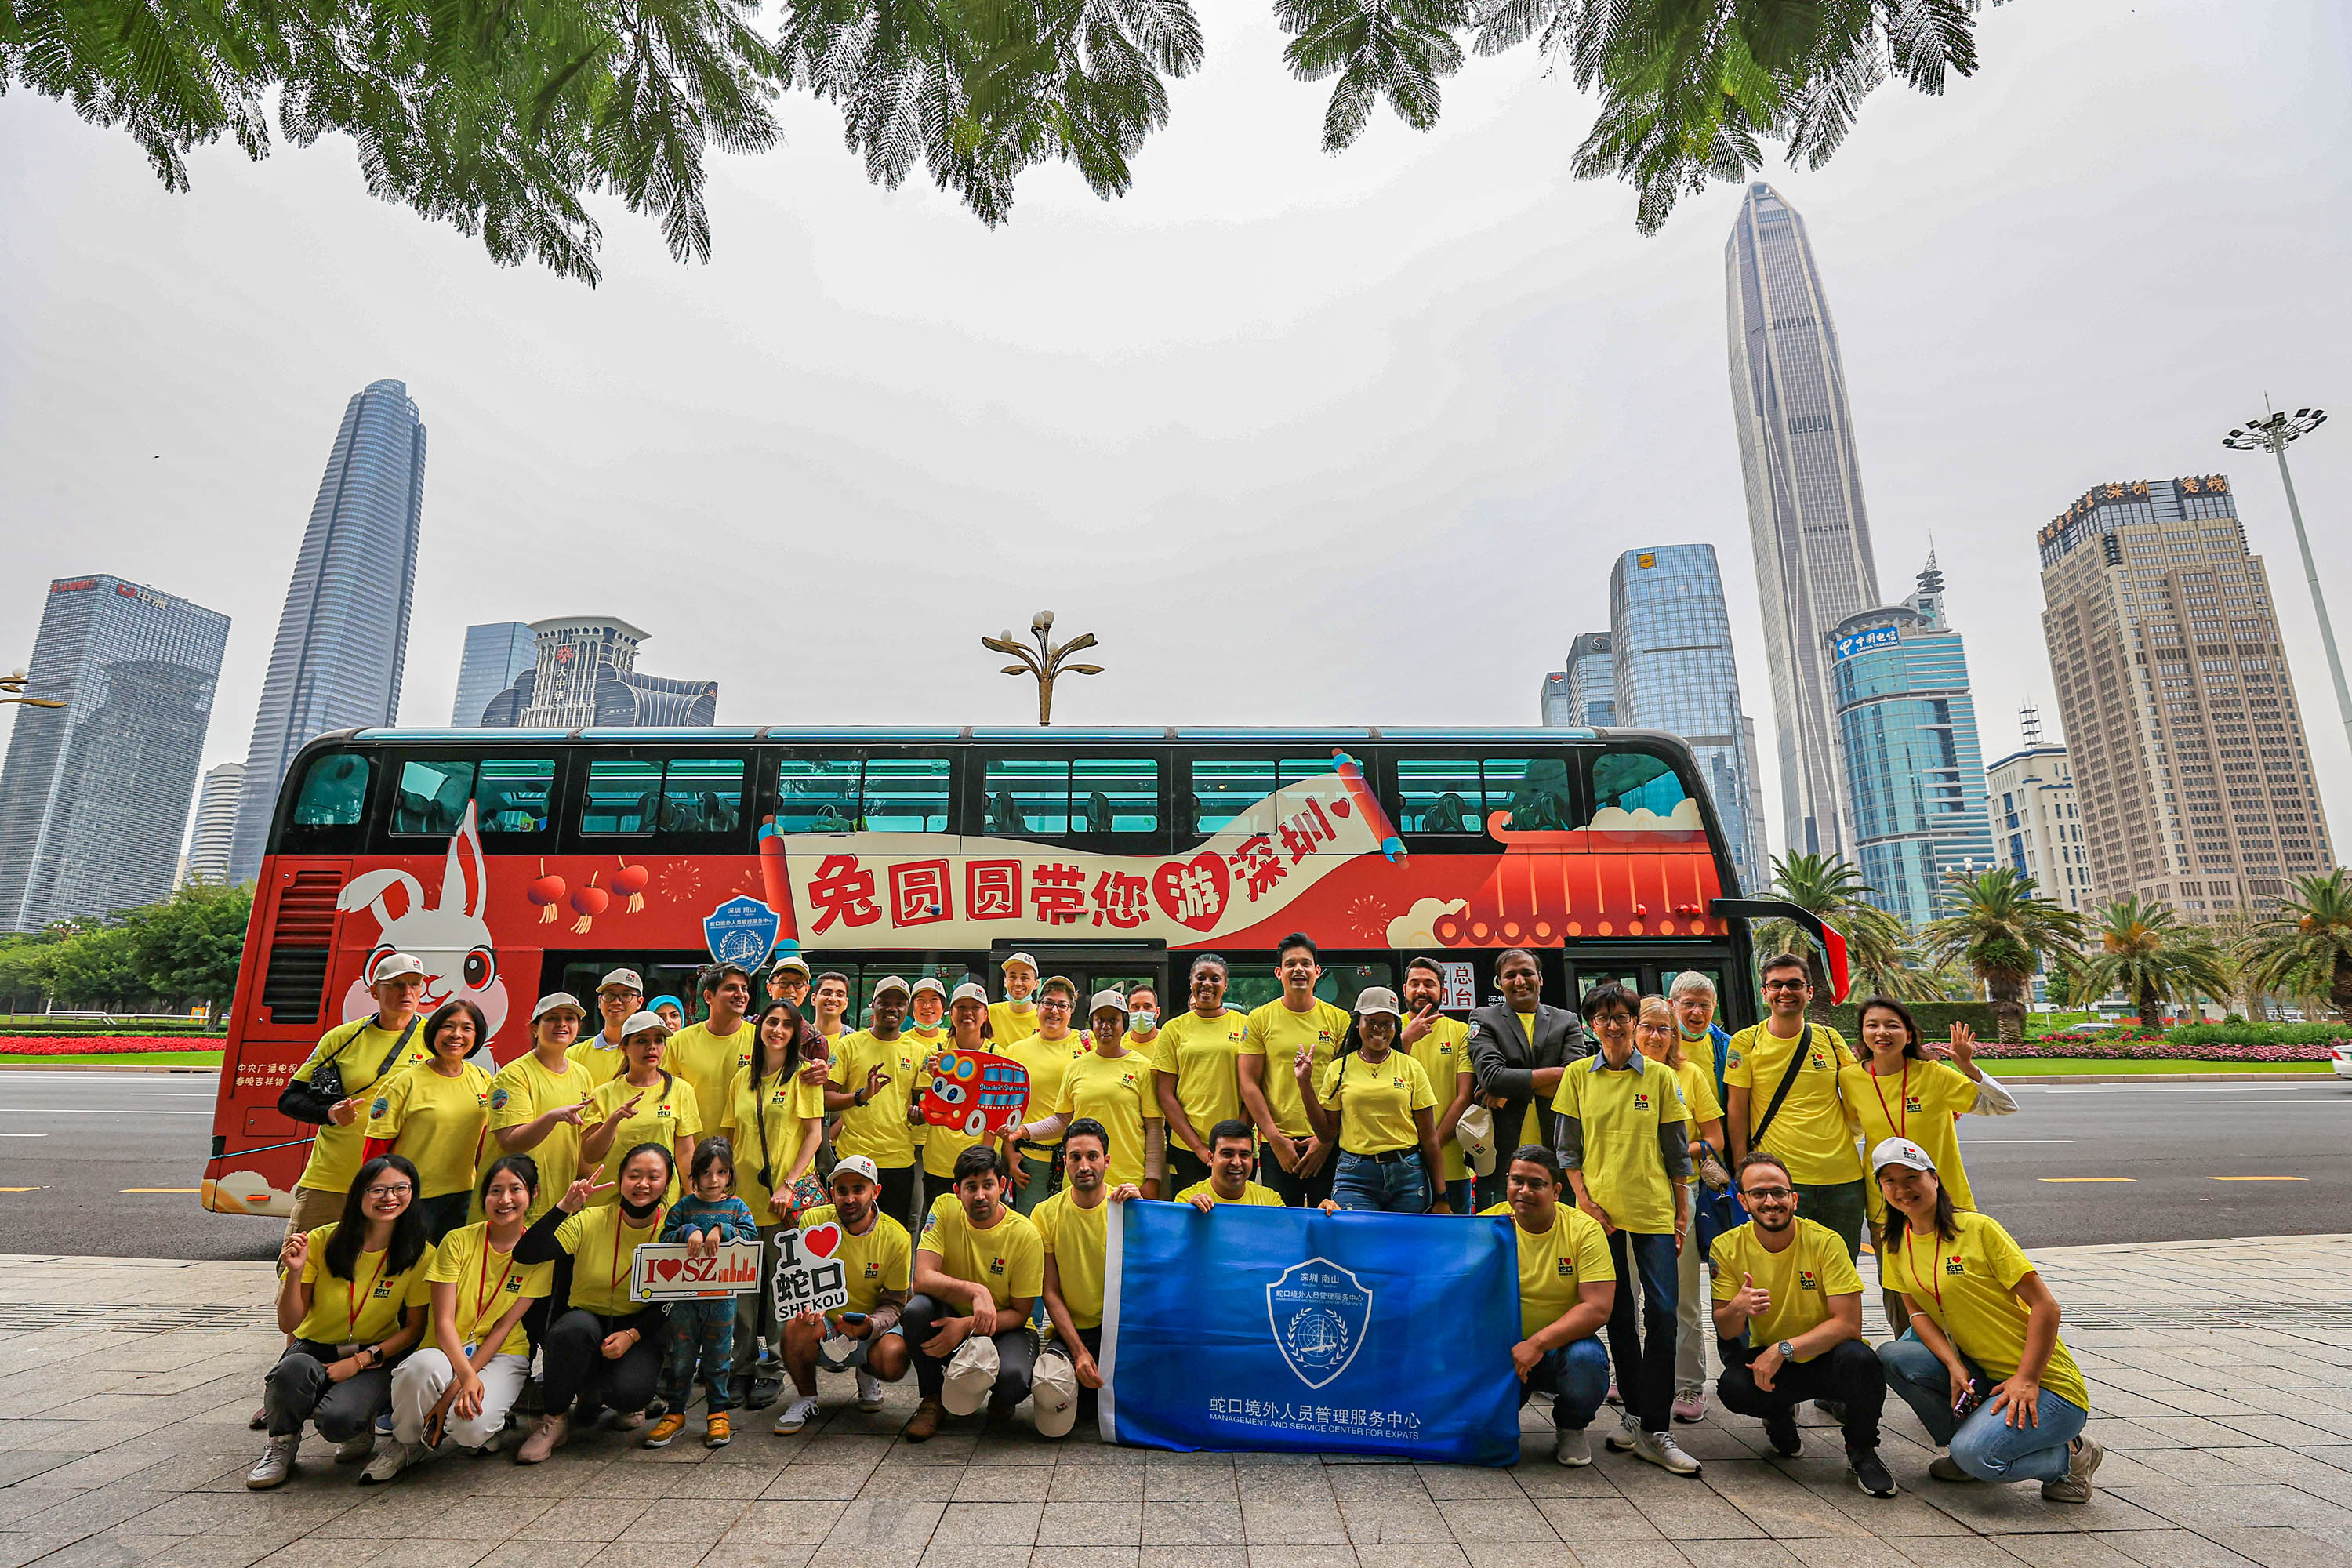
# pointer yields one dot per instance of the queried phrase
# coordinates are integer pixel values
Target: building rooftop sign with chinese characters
(1869, 637)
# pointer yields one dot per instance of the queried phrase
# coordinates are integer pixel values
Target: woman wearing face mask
(436, 1115)
(602, 1350)
(343, 1294)
(1194, 1074)
(1046, 1054)
(1112, 1085)
(476, 1356)
(967, 1030)
(644, 1105)
(1377, 1102)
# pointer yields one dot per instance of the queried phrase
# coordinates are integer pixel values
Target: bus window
(1249, 986)
(431, 797)
(1221, 788)
(1440, 794)
(510, 795)
(334, 792)
(817, 794)
(702, 795)
(1027, 796)
(1630, 782)
(621, 796)
(1115, 795)
(905, 795)
(1535, 791)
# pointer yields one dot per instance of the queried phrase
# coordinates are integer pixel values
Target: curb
(2013, 1080)
(37, 1066)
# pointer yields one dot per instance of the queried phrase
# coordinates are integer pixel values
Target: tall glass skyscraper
(94, 797)
(1914, 773)
(1592, 681)
(1670, 638)
(343, 638)
(1805, 516)
(495, 654)
(215, 824)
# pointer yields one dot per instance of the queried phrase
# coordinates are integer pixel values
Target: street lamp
(17, 682)
(1045, 663)
(2274, 433)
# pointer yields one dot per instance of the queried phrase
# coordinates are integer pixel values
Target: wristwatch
(1787, 1352)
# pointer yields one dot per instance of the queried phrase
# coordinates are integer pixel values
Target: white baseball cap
(968, 991)
(970, 1375)
(393, 965)
(555, 1001)
(1013, 958)
(790, 960)
(1103, 999)
(624, 979)
(889, 982)
(640, 1022)
(858, 1165)
(1053, 1395)
(1374, 999)
(1900, 1152)
(934, 986)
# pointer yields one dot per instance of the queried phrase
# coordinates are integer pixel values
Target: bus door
(1650, 971)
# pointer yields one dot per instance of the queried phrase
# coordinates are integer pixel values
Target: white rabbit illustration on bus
(448, 936)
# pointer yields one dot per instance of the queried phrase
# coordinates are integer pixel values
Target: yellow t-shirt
(710, 1062)
(1697, 1084)
(334, 1163)
(1253, 1195)
(1527, 1027)
(1555, 1265)
(1965, 1284)
(488, 1282)
(604, 1252)
(1810, 1132)
(1008, 1255)
(1622, 1112)
(380, 1296)
(878, 1129)
(1918, 1104)
(1079, 1243)
(1007, 1029)
(1375, 1103)
(1200, 1053)
(1277, 1033)
(437, 1123)
(1045, 1061)
(940, 1145)
(1443, 1054)
(1802, 1277)
(1116, 1091)
(881, 1260)
(524, 1091)
(660, 1118)
(604, 1060)
(789, 1104)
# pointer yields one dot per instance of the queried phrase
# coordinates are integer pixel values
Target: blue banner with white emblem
(1283, 1329)
(741, 930)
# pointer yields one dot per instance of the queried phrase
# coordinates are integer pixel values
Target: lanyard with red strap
(1900, 1116)
(620, 1223)
(481, 1297)
(353, 1295)
(1935, 1283)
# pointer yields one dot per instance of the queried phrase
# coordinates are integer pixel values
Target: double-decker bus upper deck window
(1027, 796)
(1115, 795)
(1534, 790)
(817, 794)
(509, 796)
(1632, 783)
(623, 793)
(1440, 794)
(905, 795)
(702, 795)
(1222, 788)
(1030, 796)
(333, 793)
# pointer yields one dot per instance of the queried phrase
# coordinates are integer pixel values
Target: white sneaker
(388, 1460)
(869, 1391)
(1660, 1449)
(1574, 1447)
(796, 1415)
(276, 1464)
(1627, 1438)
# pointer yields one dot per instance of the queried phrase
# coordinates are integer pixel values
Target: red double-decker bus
(517, 862)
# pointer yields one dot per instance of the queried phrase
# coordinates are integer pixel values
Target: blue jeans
(1645, 1360)
(1985, 1444)
(701, 1335)
(1383, 1186)
(1577, 1377)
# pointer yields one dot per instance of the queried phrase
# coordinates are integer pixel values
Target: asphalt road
(82, 1156)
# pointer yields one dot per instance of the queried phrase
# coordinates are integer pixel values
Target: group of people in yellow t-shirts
(993, 1295)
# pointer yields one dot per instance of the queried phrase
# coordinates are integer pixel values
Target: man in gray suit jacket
(1513, 1070)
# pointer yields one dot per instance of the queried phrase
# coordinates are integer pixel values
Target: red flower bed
(100, 1045)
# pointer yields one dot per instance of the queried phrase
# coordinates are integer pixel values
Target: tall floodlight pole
(2274, 433)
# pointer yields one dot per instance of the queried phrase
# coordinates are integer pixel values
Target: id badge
(471, 1347)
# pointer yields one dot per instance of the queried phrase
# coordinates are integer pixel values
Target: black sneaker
(1780, 1431)
(1868, 1472)
(765, 1390)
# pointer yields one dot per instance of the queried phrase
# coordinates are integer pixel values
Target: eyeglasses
(1771, 1195)
(1785, 985)
(394, 1189)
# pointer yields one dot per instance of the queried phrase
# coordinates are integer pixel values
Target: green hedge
(60, 1028)
(1935, 1020)
(2251, 1034)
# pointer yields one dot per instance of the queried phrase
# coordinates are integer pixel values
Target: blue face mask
(1140, 1021)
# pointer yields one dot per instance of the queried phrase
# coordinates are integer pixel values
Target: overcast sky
(1305, 438)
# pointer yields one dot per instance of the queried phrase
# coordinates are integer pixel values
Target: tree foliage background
(181, 952)
(502, 117)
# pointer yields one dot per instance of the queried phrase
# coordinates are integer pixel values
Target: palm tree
(1877, 949)
(2308, 946)
(2003, 933)
(2144, 947)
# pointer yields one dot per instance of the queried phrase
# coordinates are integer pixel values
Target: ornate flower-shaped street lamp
(1047, 662)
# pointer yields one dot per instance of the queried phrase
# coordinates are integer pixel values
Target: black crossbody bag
(1788, 1081)
(314, 1102)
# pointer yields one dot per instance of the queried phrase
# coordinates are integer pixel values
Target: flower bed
(2138, 1044)
(99, 1045)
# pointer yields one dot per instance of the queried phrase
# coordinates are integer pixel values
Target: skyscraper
(1674, 670)
(94, 797)
(2036, 828)
(2190, 763)
(587, 673)
(1805, 515)
(495, 654)
(216, 826)
(1557, 711)
(1592, 681)
(343, 638)
(1907, 731)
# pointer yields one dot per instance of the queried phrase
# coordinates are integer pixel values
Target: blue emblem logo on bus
(1319, 1311)
(741, 930)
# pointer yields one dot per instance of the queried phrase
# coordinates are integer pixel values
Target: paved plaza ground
(2220, 1379)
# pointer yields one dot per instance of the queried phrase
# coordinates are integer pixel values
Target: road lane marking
(1972, 1143)
(2257, 1178)
(165, 1094)
(76, 1110)
(163, 1189)
(23, 1135)
(2316, 1105)
(19, 1189)
(2071, 1181)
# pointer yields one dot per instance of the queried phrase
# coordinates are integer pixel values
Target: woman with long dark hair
(1981, 1363)
(436, 1113)
(645, 1104)
(1375, 1102)
(344, 1293)
(1903, 1087)
(603, 1349)
(774, 1120)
